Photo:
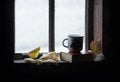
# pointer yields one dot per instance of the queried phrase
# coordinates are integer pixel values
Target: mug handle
(64, 44)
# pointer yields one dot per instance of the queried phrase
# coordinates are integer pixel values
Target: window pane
(69, 19)
(31, 25)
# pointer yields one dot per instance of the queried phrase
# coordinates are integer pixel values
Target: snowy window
(32, 23)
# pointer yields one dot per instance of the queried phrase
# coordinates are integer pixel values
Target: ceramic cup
(75, 42)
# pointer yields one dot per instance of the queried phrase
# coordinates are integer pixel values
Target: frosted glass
(69, 19)
(31, 25)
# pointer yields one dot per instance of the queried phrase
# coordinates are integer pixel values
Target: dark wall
(109, 27)
(7, 38)
(7, 30)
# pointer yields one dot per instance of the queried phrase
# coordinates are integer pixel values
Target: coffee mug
(75, 42)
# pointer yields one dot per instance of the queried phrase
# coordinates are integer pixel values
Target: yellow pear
(34, 53)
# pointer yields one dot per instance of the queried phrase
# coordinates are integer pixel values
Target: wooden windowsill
(20, 58)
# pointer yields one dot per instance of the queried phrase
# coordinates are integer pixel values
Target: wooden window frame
(8, 30)
(51, 25)
(88, 23)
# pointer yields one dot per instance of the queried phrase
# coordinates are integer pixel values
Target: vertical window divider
(51, 25)
(88, 23)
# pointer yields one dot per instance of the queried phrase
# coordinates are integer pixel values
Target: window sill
(61, 67)
(23, 61)
(20, 58)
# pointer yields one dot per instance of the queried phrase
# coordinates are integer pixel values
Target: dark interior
(85, 71)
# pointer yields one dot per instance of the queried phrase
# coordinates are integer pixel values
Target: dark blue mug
(75, 42)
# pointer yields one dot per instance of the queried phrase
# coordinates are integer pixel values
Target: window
(46, 23)
(31, 25)
(69, 19)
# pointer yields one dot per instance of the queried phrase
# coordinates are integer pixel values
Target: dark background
(85, 71)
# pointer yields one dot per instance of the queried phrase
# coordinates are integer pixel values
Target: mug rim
(74, 35)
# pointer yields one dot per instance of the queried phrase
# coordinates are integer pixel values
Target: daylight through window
(32, 23)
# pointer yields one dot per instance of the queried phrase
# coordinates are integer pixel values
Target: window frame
(51, 25)
(8, 29)
(89, 23)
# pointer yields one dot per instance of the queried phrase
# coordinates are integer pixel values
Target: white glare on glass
(31, 25)
(69, 19)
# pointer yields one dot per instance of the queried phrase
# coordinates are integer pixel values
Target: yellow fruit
(34, 53)
(96, 47)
